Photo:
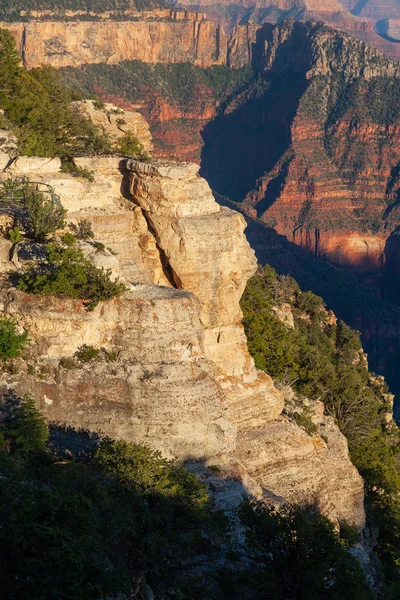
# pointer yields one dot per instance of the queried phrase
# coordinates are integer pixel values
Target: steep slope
(328, 152)
(373, 22)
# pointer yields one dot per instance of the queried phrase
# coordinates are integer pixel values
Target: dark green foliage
(68, 239)
(302, 556)
(129, 145)
(82, 230)
(68, 166)
(92, 527)
(86, 353)
(323, 360)
(68, 273)
(145, 469)
(90, 530)
(98, 105)
(38, 107)
(15, 235)
(99, 246)
(305, 421)
(42, 216)
(12, 343)
(24, 431)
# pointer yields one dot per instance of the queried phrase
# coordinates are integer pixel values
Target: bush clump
(82, 230)
(67, 273)
(24, 431)
(301, 555)
(12, 343)
(323, 359)
(43, 216)
(86, 353)
(129, 145)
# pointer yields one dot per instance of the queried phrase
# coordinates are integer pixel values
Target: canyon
(284, 131)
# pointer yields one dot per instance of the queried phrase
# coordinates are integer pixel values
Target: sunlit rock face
(175, 371)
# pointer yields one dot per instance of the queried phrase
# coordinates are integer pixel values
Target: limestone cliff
(373, 21)
(174, 371)
(177, 36)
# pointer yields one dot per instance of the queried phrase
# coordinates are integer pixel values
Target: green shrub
(305, 421)
(43, 215)
(12, 343)
(25, 431)
(99, 246)
(15, 235)
(68, 166)
(146, 469)
(129, 145)
(68, 239)
(98, 105)
(86, 353)
(82, 230)
(68, 273)
(349, 534)
(300, 555)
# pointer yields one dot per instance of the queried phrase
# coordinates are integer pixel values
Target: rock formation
(175, 370)
(178, 36)
(327, 156)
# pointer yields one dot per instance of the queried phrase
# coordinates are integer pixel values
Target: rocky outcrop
(116, 122)
(215, 268)
(174, 371)
(158, 390)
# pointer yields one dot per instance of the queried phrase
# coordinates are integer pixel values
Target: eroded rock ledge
(181, 378)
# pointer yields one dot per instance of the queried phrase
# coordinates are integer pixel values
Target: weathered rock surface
(177, 36)
(206, 253)
(115, 121)
(160, 391)
(175, 371)
(304, 469)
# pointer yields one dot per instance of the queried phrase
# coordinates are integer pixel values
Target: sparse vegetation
(42, 216)
(86, 353)
(82, 230)
(129, 145)
(68, 239)
(12, 341)
(68, 273)
(324, 360)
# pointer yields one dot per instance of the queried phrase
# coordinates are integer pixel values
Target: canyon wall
(174, 370)
(322, 150)
(177, 38)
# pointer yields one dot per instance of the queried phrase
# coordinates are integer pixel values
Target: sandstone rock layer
(175, 371)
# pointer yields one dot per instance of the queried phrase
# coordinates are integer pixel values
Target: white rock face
(161, 390)
(184, 381)
(31, 165)
(207, 253)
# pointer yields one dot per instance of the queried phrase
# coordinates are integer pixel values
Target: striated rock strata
(320, 150)
(178, 37)
(175, 372)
